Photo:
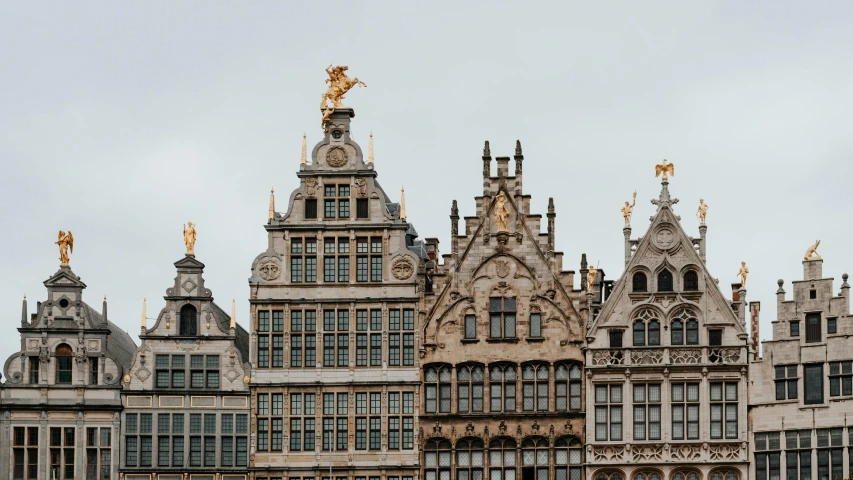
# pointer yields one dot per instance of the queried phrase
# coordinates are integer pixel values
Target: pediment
(64, 277)
(189, 262)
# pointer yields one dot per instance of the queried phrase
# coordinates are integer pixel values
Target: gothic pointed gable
(659, 278)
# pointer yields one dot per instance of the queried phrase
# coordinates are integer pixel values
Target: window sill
(815, 406)
(470, 340)
(534, 339)
(502, 340)
(840, 398)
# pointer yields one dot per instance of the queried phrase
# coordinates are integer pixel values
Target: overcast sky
(122, 123)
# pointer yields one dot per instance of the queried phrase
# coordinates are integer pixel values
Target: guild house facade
(186, 394)
(370, 355)
(666, 363)
(502, 363)
(335, 301)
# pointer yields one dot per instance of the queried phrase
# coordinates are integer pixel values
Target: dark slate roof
(418, 249)
(224, 322)
(120, 347)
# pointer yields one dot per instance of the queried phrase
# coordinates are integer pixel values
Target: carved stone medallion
(269, 268)
(664, 238)
(502, 268)
(402, 268)
(336, 157)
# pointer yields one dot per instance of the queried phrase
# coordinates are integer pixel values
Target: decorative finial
(666, 169)
(104, 311)
(702, 211)
(742, 273)
(271, 214)
(233, 314)
(339, 85)
(370, 150)
(189, 238)
(144, 305)
(66, 246)
(402, 203)
(24, 311)
(304, 159)
(551, 205)
(454, 208)
(487, 152)
(811, 253)
(518, 148)
(628, 209)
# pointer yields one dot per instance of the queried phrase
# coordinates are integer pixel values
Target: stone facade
(801, 392)
(335, 309)
(186, 396)
(502, 362)
(666, 364)
(60, 404)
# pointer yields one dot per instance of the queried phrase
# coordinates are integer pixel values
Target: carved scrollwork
(647, 452)
(608, 453)
(647, 357)
(725, 452)
(607, 357)
(724, 355)
(685, 452)
(685, 355)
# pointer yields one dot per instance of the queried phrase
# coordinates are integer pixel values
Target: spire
(518, 148)
(304, 159)
(271, 215)
(233, 314)
(143, 313)
(402, 203)
(370, 150)
(24, 311)
(104, 310)
(487, 152)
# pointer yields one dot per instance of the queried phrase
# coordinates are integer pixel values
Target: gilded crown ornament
(339, 85)
(665, 169)
(66, 246)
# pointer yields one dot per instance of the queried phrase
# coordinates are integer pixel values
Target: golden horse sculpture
(339, 85)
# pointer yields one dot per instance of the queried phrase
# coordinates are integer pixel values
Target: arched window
(469, 459)
(534, 458)
(535, 385)
(685, 475)
(501, 459)
(568, 459)
(609, 475)
(502, 385)
(665, 281)
(639, 333)
(691, 281)
(654, 332)
(723, 475)
(677, 333)
(437, 460)
(63, 363)
(188, 320)
(437, 389)
(687, 318)
(469, 380)
(640, 283)
(568, 386)
(645, 475)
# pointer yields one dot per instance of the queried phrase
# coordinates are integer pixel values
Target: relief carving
(336, 157)
(402, 268)
(269, 268)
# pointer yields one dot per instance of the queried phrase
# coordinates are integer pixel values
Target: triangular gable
(64, 277)
(189, 262)
(665, 242)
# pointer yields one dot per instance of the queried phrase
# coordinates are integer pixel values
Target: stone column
(627, 233)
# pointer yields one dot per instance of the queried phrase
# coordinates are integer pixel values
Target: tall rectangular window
(34, 370)
(361, 208)
(724, 413)
(840, 378)
(311, 208)
(99, 453)
(303, 260)
(795, 328)
(813, 383)
(813, 333)
(685, 411)
(62, 443)
(786, 382)
(798, 453)
(502, 317)
(535, 325)
(768, 456)
(608, 412)
(647, 412)
(470, 327)
(830, 453)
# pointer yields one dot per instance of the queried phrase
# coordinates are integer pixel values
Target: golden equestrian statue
(339, 85)
(66, 246)
(189, 238)
(665, 168)
(811, 253)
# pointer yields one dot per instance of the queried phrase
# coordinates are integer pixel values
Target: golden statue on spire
(66, 246)
(628, 209)
(665, 168)
(339, 85)
(189, 238)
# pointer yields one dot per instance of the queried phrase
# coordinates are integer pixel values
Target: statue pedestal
(813, 268)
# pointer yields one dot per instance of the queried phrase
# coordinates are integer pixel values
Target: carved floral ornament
(336, 157)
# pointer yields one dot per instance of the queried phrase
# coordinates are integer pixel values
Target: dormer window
(691, 281)
(640, 283)
(63, 363)
(188, 320)
(665, 281)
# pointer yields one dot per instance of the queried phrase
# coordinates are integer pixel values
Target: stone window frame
(438, 387)
(503, 385)
(568, 382)
(472, 383)
(647, 317)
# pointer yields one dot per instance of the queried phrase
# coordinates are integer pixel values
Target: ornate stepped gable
(667, 355)
(502, 364)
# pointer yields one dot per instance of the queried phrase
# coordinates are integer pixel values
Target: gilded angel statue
(66, 246)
